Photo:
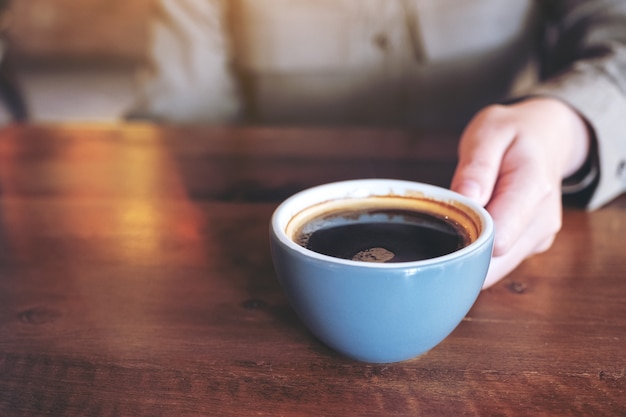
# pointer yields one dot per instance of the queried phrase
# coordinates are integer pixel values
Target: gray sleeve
(584, 64)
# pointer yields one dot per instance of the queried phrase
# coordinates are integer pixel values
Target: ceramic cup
(381, 312)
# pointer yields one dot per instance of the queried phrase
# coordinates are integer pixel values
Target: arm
(585, 67)
(513, 158)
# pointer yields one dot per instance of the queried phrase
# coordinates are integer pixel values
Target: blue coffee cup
(380, 312)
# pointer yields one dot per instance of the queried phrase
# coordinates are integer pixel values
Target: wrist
(579, 141)
(574, 133)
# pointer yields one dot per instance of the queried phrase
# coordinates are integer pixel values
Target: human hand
(512, 159)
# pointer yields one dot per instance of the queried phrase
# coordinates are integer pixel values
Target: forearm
(585, 67)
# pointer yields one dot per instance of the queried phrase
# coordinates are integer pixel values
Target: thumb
(481, 150)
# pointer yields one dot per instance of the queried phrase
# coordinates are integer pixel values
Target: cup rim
(363, 188)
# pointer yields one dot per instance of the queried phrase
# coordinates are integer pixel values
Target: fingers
(522, 193)
(481, 150)
(537, 237)
(501, 266)
(511, 160)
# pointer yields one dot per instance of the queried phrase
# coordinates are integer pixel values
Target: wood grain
(135, 280)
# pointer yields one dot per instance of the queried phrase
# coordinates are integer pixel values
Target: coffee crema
(384, 229)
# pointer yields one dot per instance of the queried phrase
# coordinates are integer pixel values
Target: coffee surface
(382, 235)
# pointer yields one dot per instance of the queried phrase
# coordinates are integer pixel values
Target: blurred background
(375, 62)
(74, 60)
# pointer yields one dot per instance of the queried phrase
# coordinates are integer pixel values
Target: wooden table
(136, 280)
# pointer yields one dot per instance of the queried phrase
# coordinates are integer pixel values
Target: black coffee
(382, 235)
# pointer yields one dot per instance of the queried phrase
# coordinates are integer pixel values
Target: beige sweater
(424, 63)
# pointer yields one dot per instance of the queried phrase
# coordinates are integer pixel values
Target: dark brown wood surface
(136, 280)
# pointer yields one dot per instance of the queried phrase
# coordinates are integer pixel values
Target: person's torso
(422, 62)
